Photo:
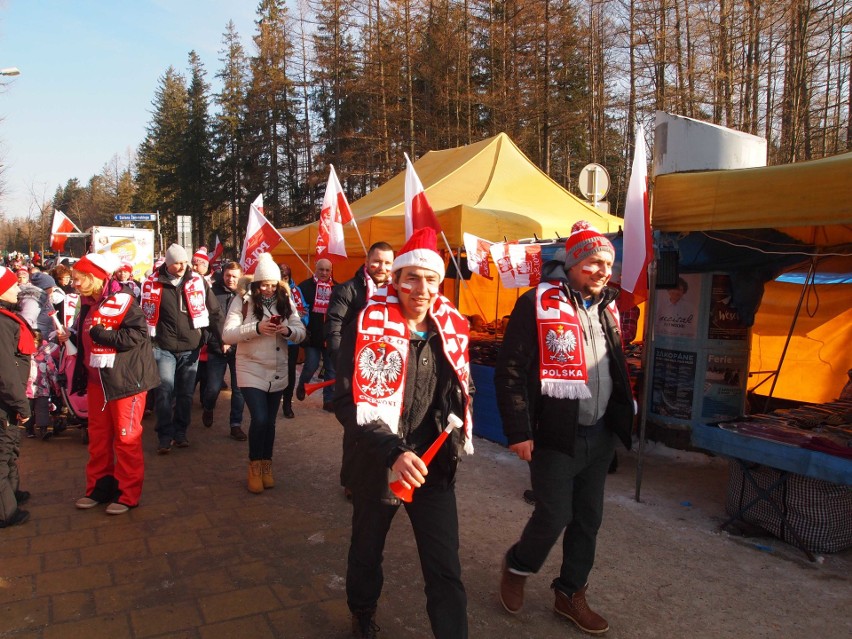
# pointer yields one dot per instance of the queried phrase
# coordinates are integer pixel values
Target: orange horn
(396, 485)
(310, 388)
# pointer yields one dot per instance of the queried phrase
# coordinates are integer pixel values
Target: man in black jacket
(347, 300)
(396, 388)
(316, 291)
(563, 393)
(221, 356)
(179, 308)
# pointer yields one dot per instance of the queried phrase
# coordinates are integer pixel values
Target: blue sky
(89, 70)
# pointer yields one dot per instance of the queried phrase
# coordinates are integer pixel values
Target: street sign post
(136, 217)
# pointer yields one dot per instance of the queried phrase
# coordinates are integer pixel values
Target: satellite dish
(594, 182)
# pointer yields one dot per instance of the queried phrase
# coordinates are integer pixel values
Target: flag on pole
(478, 251)
(519, 265)
(418, 213)
(218, 250)
(334, 214)
(61, 224)
(638, 248)
(261, 236)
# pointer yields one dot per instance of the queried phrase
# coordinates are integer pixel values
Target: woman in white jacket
(260, 323)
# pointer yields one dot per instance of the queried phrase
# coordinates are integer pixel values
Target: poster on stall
(128, 244)
(724, 393)
(725, 322)
(677, 308)
(674, 377)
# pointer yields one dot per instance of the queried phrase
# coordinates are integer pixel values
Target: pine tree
(197, 170)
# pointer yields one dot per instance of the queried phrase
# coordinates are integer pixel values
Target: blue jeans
(312, 360)
(177, 385)
(569, 493)
(263, 408)
(216, 365)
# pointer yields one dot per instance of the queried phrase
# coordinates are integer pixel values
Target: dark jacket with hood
(370, 450)
(14, 366)
(134, 370)
(174, 326)
(552, 422)
(347, 300)
(224, 296)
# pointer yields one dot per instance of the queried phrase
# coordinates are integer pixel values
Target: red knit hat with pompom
(585, 240)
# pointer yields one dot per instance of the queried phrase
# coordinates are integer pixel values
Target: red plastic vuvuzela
(315, 386)
(407, 493)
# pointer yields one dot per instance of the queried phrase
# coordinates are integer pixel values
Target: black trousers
(434, 519)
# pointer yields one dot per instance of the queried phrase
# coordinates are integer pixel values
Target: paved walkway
(202, 558)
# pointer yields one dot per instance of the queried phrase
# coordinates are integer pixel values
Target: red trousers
(115, 443)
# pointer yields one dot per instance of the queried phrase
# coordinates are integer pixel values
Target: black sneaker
(364, 625)
(21, 496)
(16, 518)
(529, 497)
(300, 392)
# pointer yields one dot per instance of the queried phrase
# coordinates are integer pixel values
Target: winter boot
(575, 608)
(364, 624)
(512, 589)
(266, 473)
(255, 482)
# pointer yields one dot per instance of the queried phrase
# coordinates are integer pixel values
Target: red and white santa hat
(201, 254)
(585, 240)
(99, 265)
(7, 279)
(421, 251)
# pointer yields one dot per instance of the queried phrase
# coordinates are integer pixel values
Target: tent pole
(648, 347)
(808, 279)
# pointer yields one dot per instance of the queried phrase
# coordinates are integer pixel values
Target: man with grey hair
(317, 293)
(564, 395)
(179, 308)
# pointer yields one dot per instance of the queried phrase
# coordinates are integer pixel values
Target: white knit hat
(100, 265)
(266, 269)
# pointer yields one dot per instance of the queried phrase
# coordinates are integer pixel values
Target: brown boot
(266, 473)
(255, 481)
(577, 610)
(511, 589)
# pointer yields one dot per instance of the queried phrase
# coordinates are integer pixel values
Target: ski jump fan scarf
(194, 293)
(109, 314)
(381, 354)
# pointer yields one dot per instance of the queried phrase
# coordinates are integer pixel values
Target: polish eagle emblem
(561, 344)
(381, 365)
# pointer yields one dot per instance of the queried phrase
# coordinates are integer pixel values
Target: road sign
(136, 217)
(593, 182)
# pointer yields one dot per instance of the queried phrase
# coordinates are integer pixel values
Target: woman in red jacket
(115, 364)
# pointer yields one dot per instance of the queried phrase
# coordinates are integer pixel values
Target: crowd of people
(393, 356)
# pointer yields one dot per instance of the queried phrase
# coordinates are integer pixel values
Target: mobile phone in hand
(275, 320)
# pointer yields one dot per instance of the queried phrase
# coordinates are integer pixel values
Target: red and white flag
(261, 236)
(334, 214)
(418, 212)
(218, 250)
(519, 265)
(478, 251)
(61, 224)
(638, 249)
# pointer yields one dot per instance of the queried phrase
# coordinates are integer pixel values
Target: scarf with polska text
(109, 314)
(562, 364)
(381, 353)
(194, 292)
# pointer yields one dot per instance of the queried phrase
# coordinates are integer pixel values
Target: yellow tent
(489, 189)
(812, 202)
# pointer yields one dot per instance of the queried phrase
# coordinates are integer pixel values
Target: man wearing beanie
(564, 395)
(179, 308)
(404, 369)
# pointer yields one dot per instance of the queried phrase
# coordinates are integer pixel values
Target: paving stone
(238, 603)
(168, 618)
(73, 580)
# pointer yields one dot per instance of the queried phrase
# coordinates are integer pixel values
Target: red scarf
(109, 314)
(562, 364)
(298, 301)
(194, 292)
(381, 353)
(322, 296)
(26, 338)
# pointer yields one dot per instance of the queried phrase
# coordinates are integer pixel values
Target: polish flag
(218, 250)
(61, 224)
(334, 214)
(261, 237)
(418, 213)
(638, 248)
(478, 251)
(519, 265)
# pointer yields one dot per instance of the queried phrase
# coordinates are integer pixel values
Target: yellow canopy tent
(811, 202)
(489, 189)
